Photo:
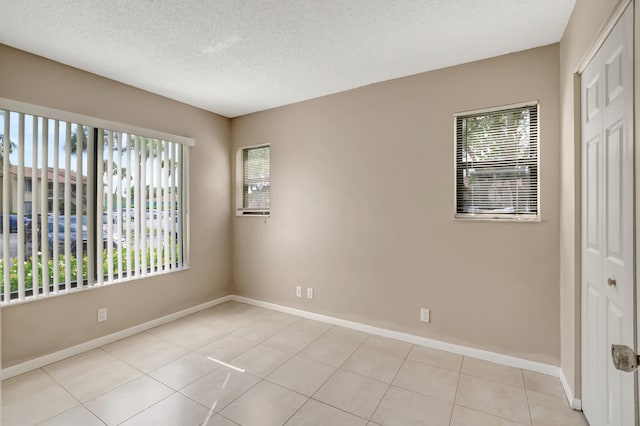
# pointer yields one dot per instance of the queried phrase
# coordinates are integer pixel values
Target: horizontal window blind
(497, 163)
(256, 180)
(85, 206)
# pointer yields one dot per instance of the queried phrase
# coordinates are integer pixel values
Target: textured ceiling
(235, 57)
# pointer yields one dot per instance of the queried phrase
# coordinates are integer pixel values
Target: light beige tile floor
(236, 364)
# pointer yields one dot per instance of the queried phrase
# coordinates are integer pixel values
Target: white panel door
(607, 227)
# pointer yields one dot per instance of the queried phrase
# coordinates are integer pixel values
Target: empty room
(357, 212)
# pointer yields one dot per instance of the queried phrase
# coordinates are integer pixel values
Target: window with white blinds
(84, 206)
(497, 164)
(253, 192)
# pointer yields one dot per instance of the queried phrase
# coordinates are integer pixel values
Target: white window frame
(240, 210)
(506, 217)
(113, 127)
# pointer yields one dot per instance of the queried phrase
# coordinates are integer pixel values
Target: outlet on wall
(298, 291)
(425, 315)
(310, 293)
(102, 314)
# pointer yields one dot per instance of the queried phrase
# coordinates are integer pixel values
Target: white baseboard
(405, 337)
(498, 358)
(411, 338)
(35, 363)
(574, 402)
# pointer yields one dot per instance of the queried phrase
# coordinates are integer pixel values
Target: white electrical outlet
(310, 293)
(425, 315)
(298, 291)
(102, 314)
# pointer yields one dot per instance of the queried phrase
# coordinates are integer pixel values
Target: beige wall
(362, 210)
(37, 328)
(584, 26)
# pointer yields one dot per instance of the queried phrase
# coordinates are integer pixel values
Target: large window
(253, 183)
(497, 164)
(86, 205)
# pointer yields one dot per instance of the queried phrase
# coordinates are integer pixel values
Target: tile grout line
(455, 394)
(224, 417)
(262, 342)
(94, 414)
(152, 378)
(149, 407)
(206, 325)
(304, 347)
(294, 354)
(188, 383)
(330, 376)
(63, 388)
(178, 391)
(139, 412)
(260, 378)
(264, 316)
(265, 379)
(523, 388)
(106, 352)
(432, 365)
(526, 395)
(218, 411)
(492, 414)
(83, 403)
(258, 342)
(131, 365)
(390, 383)
(185, 347)
(147, 374)
(218, 337)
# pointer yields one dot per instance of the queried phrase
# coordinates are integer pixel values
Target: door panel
(593, 196)
(608, 228)
(613, 175)
(615, 78)
(591, 353)
(592, 98)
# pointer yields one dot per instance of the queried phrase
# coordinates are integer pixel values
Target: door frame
(606, 29)
(636, 169)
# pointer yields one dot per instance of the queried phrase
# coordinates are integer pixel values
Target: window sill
(51, 295)
(497, 218)
(241, 213)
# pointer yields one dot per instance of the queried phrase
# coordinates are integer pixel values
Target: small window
(253, 187)
(497, 164)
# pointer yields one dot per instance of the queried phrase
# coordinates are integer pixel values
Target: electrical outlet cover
(102, 314)
(425, 315)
